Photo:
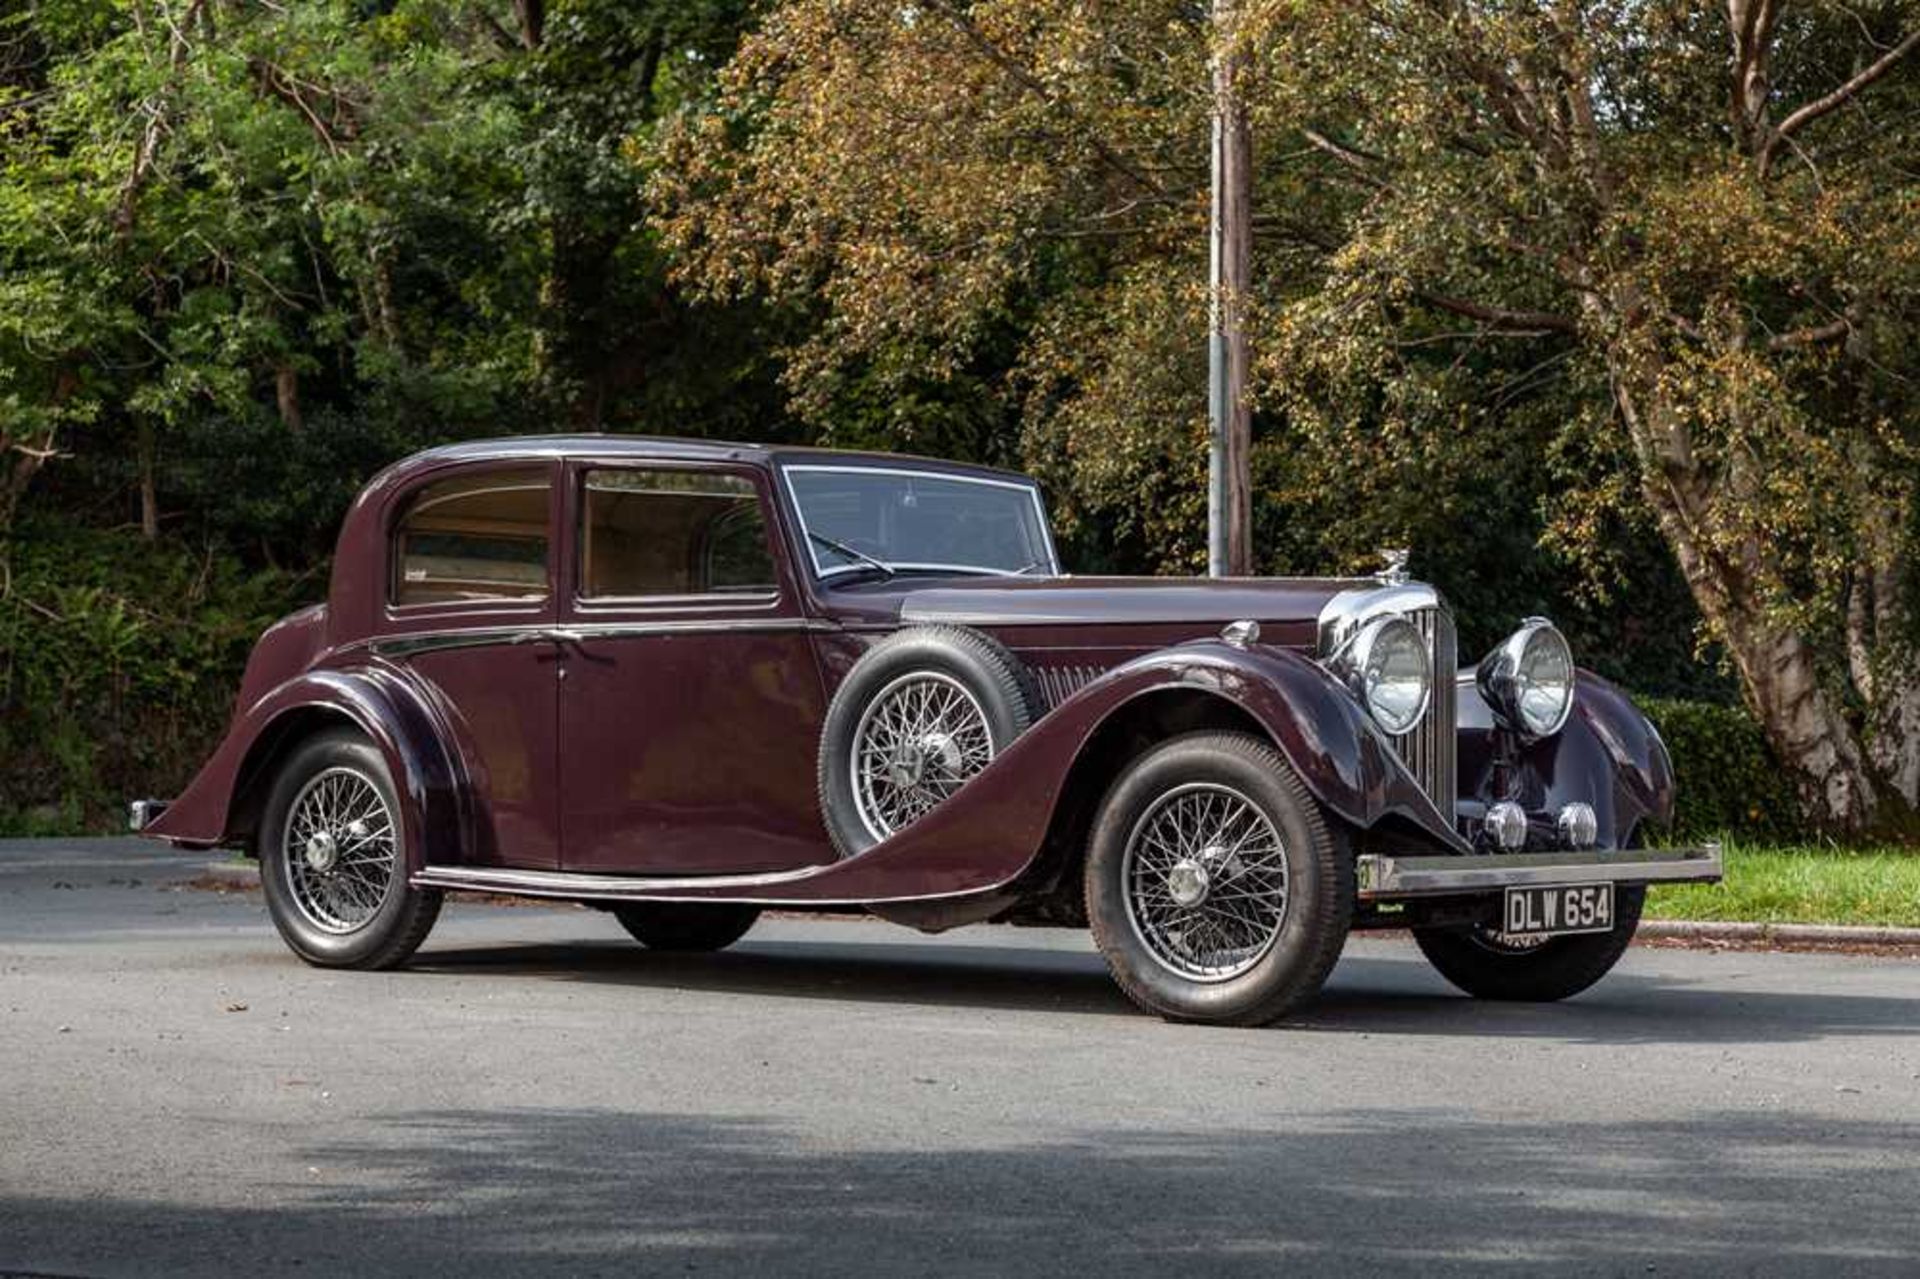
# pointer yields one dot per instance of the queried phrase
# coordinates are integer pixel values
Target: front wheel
(1487, 964)
(1216, 888)
(333, 858)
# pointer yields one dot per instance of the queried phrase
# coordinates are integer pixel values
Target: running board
(578, 887)
(1385, 877)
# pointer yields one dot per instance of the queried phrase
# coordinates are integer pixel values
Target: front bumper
(1385, 877)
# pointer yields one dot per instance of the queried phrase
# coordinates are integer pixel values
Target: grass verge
(1772, 884)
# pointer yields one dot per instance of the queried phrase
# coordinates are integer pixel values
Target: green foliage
(118, 663)
(1727, 777)
(1801, 884)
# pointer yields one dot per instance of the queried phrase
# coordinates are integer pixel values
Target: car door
(472, 567)
(690, 698)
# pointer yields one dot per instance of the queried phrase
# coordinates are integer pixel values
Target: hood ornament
(1393, 571)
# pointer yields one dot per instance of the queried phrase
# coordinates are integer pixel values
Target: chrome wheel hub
(1205, 876)
(1187, 883)
(322, 851)
(918, 741)
(340, 849)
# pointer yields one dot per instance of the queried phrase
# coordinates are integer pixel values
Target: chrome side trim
(575, 631)
(433, 641)
(1389, 877)
(759, 890)
(414, 643)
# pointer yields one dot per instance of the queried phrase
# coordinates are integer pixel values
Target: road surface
(537, 1094)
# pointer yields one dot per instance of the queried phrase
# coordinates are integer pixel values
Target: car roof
(677, 449)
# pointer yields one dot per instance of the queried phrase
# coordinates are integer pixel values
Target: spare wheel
(921, 712)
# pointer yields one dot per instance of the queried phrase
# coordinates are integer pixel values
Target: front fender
(988, 834)
(1608, 755)
(218, 805)
(1327, 736)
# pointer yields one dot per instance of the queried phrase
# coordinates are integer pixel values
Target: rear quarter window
(475, 537)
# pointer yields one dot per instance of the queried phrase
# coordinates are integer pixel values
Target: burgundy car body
(667, 750)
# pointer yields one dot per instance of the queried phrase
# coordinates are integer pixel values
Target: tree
(1712, 212)
(225, 222)
(1685, 233)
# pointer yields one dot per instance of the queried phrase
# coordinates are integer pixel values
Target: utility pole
(1230, 280)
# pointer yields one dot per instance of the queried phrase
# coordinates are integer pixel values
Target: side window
(656, 532)
(479, 536)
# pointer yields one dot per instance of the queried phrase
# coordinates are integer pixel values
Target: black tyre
(1487, 966)
(686, 926)
(1216, 888)
(919, 714)
(333, 858)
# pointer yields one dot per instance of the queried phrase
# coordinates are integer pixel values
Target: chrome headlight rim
(1362, 659)
(1503, 675)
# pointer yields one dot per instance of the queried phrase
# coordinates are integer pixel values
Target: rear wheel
(333, 858)
(686, 926)
(1488, 964)
(1216, 888)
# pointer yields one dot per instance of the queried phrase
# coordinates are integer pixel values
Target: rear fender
(222, 803)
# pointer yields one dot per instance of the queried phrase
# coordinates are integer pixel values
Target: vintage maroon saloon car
(687, 681)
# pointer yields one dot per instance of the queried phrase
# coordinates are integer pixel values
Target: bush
(1726, 776)
(119, 660)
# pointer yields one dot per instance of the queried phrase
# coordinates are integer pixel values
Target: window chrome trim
(821, 573)
(765, 504)
(412, 644)
(719, 601)
(401, 506)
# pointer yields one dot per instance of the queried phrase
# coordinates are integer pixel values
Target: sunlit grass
(1776, 884)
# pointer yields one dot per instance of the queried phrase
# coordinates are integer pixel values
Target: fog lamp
(1507, 825)
(1577, 825)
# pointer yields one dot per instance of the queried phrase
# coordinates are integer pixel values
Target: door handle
(551, 635)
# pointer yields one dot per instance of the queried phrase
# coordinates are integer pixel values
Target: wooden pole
(1230, 258)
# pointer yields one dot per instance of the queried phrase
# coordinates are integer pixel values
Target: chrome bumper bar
(140, 812)
(1387, 877)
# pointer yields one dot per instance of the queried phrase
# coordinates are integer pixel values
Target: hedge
(118, 664)
(1726, 776)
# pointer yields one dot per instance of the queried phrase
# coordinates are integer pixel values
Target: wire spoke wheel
(1205, 882)
(919, 740)
(339, 849)
(1505, 943)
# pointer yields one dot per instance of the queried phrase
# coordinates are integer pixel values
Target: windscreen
(899, 519)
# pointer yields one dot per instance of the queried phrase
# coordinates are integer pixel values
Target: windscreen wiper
(841, 548)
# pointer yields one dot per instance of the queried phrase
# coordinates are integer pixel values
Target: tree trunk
(286, 394)
(1778, 674)
(149, 496)
(1893, 742)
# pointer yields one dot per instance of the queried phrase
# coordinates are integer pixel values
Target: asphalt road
(178, 1095)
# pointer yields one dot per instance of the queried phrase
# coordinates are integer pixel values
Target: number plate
(1563, 908)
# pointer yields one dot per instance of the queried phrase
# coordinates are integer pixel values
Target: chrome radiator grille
(1429, 750)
